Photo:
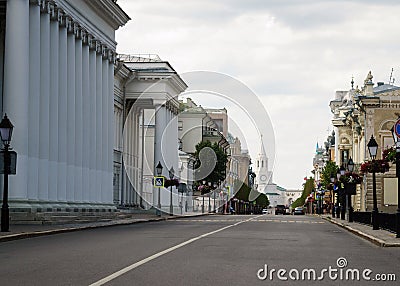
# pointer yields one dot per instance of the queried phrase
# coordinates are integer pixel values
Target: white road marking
(154, 256)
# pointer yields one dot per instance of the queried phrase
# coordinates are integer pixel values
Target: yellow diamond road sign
(158, 182)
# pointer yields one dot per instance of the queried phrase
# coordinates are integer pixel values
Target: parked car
(280, 209)
(298, 211)
(264, 211)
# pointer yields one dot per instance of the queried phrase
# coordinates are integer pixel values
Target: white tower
(263, 176)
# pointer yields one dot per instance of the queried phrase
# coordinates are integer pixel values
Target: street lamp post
(333, 196)
(202, 206)
(171, 206)
(397, 143)
(215, 206)
(159, 168)
(6, 129)
(342, 171)
(373, 149)
(209, 197)
(350, 167)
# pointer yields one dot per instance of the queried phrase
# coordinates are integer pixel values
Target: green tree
(330, 170)
(244, 194)
(308, 187)
(218, 174)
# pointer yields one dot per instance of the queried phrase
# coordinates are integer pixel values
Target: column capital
(77, 30)
(85, 35)
(91, 42)
(45, 6)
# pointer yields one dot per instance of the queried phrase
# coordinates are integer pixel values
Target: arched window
(258, 164)
(262, 164)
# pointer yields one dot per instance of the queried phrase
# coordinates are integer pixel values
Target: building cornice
(110, 12)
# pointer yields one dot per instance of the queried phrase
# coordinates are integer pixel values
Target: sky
(292, 54)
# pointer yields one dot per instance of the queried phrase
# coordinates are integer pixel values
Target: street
(205, 250)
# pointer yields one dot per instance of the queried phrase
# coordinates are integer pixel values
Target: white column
(160, 123)
(92, 126)
(44, 113)
(78, 120)
(111, 129)
(62, 114)
(70, 113)
(34, 93)
(16, 89)
(104, 122)
(99, 131)
(53, 135)
(86, 122)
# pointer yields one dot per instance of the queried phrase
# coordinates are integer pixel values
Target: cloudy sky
(294, 55)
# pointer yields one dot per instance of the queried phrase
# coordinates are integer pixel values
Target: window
(344, 158)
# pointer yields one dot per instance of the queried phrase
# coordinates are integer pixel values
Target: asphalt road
(211, 250)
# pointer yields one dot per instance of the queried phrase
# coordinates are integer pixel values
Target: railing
(138, 58)
(363, 217)
(386, 221)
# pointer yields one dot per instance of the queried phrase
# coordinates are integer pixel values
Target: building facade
(358, 114)
(146, 108)
(57, 89)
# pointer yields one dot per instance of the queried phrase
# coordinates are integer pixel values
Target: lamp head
(6, 129)
(159, 168)
(350, 165)
(372, 147)
(171, 173)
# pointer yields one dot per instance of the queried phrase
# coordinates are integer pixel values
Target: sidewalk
(20, 231)
(379, 237)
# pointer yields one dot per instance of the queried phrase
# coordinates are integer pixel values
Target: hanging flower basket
(377, 166)
(169, 183)
(351, 177)
(389, 155)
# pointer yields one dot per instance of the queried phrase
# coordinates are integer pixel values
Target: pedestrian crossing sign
(158, 182)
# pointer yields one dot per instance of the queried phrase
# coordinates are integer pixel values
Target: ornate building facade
(358, 114)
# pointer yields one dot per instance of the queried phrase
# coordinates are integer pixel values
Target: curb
(24, 235)
(376, 241)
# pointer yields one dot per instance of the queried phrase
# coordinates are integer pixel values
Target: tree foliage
(330, 170)
(307, 189)
(219, 172)
(244, 194)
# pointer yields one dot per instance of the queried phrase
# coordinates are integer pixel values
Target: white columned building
(58, 64)
(145, 109)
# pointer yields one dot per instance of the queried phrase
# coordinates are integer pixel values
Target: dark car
(280, 209)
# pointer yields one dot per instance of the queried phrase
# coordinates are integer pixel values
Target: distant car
(280, 209)
(298, 211)
(264, 211)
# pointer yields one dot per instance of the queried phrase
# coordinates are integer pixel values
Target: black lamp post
(202, 206)
(209, 198)
(215, 206)
(373, 149)
(333, 196)
(159, 168)
(6, 129)
(342, 171)
(171, 176)
(350, 167)
(397, 143)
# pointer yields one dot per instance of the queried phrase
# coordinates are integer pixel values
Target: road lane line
(154, 256)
